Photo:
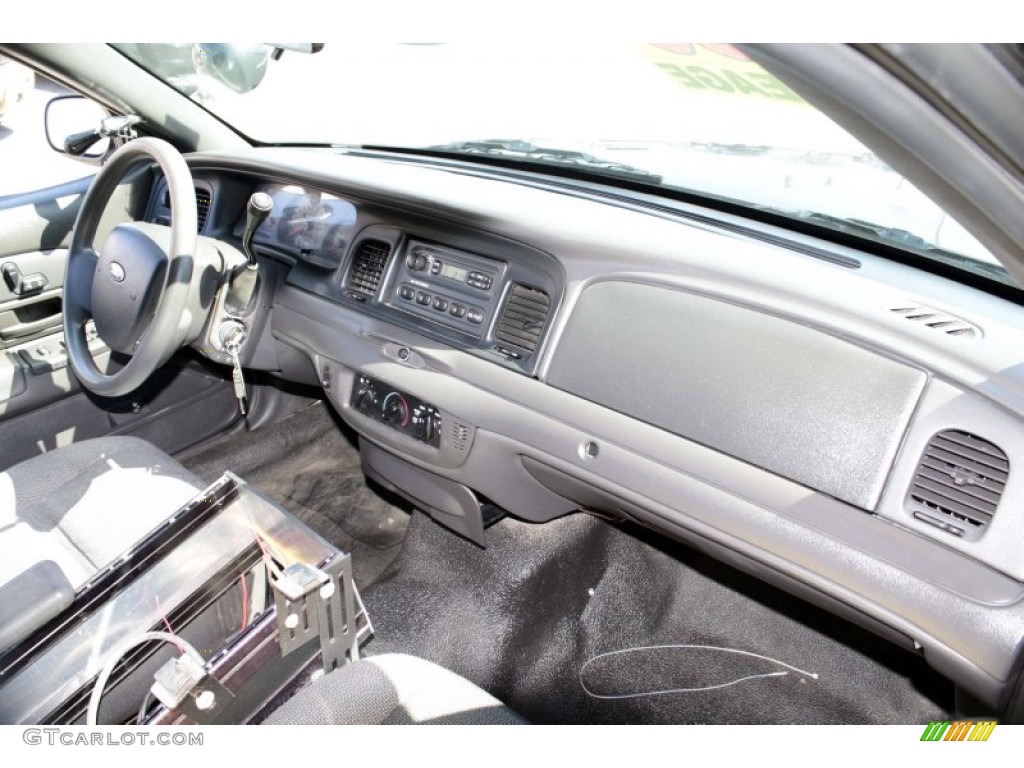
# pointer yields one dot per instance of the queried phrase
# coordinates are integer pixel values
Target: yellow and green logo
(958, 730)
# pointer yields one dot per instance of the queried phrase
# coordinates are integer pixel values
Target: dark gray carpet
(530, 618)
(578, 620)
(308, 463)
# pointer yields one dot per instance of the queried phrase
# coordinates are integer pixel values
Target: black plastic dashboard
(773, 408)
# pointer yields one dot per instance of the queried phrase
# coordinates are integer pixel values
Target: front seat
(81, 506)
(392, 689)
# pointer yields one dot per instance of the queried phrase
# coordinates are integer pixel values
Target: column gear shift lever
(245, 279)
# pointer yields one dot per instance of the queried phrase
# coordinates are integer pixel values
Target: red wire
(263, 548)
(167, 624)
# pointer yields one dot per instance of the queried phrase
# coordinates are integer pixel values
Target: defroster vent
(524, 316)
(959, 482)
(936, 320)
(368, 267)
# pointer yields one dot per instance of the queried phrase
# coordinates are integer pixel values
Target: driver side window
(28, 160)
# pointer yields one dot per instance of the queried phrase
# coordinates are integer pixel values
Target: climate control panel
(396, 409)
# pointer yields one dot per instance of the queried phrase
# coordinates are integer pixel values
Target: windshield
(699, 118)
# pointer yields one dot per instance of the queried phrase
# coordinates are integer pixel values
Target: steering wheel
(136, 288)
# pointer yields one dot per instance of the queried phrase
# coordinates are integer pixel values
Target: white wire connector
(176, 679)
(117, 654)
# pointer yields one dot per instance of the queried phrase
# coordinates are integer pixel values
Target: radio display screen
(455, 273)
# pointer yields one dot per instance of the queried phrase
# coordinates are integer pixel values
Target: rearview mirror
(240, 67)
(74, 121)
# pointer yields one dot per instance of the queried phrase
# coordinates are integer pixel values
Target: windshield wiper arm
(525, 150)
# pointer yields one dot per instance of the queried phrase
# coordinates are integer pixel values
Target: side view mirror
(73, 127)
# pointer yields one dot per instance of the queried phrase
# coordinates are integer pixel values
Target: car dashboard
(840, 425)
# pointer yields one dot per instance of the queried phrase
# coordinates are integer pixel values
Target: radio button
(441, 305)
(423, 298)
(457, 310)
(407, 292)
(475, 315)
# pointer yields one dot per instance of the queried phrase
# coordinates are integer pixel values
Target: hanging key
(236, 376)
(232, 336)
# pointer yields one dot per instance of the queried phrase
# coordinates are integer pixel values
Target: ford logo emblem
(116, 272)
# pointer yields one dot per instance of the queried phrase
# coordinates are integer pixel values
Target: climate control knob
(395, 411)
(365, 399)
(429, 428)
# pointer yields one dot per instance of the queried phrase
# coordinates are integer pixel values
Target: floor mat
(580, 621)
(308, 463)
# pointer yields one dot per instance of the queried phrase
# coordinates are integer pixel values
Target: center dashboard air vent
(958, 484)
(367, 269)
(204, 201)
(523, 318)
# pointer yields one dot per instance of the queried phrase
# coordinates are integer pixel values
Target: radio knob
(416, 261)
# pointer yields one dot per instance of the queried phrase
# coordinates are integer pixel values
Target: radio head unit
(443, 285)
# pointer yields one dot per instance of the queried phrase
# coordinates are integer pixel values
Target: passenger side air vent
(524, 316)
(958, 483)
(367, 268)
(939, 321)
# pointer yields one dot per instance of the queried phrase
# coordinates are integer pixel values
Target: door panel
(23, 318)
(185, 402)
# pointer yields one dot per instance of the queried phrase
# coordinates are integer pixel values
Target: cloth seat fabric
(83, 505)
(393, 689)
